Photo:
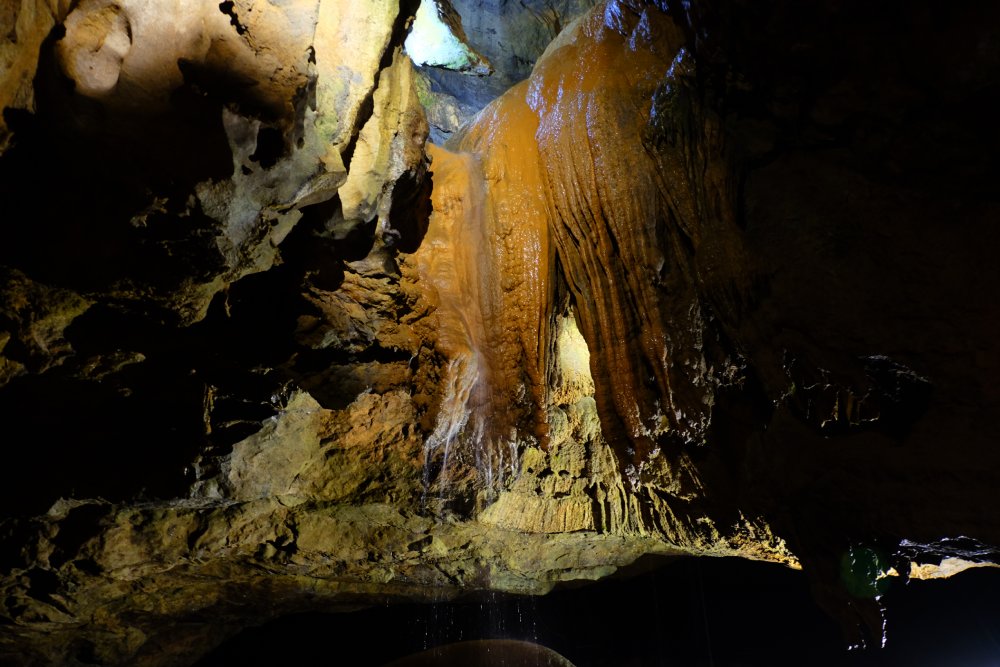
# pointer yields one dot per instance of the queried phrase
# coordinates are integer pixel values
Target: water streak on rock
(488, 256)
(452, 261)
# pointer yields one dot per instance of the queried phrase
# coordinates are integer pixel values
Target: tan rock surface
(294, 85)
(25, 24)
(36, 318)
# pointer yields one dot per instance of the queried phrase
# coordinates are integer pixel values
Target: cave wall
(713, 281)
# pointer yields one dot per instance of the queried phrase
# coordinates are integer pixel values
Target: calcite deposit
(708, 283)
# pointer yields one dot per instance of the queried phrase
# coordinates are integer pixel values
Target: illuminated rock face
(622, 235)
(287, 358)
(237, 117)
(381, 387)
(634, 228)
(25, 24)
(512, 36)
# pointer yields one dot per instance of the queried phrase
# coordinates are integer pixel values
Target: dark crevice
(270, 147)
(324, 358)
(102, 437)
(80, 525)
(229, 9)
(410, 212)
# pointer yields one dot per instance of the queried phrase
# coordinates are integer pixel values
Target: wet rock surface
(713, 281)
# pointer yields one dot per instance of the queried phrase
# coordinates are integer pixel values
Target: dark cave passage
(691, 613)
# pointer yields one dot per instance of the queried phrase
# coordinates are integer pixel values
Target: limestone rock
(389, 149)
(512, 36)
(24, 24)
(445, 114)
(158, 562)
(278, 114)
(670, 296)
(657, 368)
(308, 452)
(34, 318)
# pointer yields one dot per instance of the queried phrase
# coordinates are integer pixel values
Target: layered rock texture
(712, 281)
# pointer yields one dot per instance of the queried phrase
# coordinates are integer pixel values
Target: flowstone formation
(693, 288)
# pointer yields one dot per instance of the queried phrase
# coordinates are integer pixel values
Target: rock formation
(699, 286)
